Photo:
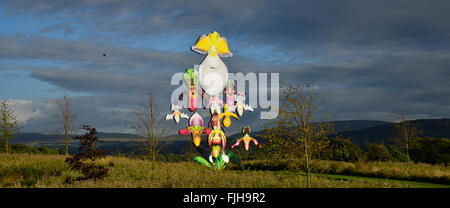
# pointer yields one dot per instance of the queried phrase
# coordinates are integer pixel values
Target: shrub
(431, 150)
(22, 148)
(341, 150)
(377, 152)
(397, 155)
(85, 160)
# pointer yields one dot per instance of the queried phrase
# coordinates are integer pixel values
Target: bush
(84, 161)
(22, 148)
(397, 155)
(377, 152)
(431, 150)
(341, 150)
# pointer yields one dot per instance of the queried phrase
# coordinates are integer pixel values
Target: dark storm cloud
(369, 88)
(298, 25)
(80, 65)
(85, 54)
(365, 57)
(358, 88)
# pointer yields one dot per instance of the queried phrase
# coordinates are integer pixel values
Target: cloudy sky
(364, 57)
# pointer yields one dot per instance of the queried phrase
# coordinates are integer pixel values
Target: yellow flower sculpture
(212, 44)
(227, 121)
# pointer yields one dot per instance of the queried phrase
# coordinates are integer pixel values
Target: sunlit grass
(23, 170)
(392, 170)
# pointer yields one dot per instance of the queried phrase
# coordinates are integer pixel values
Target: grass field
(49, 171)
(439, 174)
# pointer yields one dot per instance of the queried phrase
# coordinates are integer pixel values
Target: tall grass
(50, 171)
(391, 170)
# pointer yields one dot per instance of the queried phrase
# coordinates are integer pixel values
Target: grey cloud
(101, 112)
(365, 57)
(298, 25)
(102, 81)
(66, 28)
(85, 54)
(415, 81)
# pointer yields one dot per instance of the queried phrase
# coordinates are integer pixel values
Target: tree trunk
(7, 146)
(407, 152)
(153, 152)
(308, 176)
(67, 143)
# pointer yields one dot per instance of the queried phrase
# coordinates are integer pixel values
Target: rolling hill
(436, 128)
(361, 132)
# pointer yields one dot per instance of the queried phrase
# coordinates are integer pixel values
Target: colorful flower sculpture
(196, 129)
(212, 44)
(230, 95)
(246, 139)
(191, 81)
(215, 122)
(215, 104)
(176, 115)
(227, 114)
(213, 73)
(240, 105)
(217, 142)
(219, 163)
(210, 79)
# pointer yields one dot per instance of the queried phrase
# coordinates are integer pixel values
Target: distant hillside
(339, 126)
(362, 132)
(31, 137)
(112, 142)
(37, 137)
(352, 125)
(436, 128)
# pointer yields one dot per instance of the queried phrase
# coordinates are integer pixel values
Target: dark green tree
(378, 152)
(9, 125)
(84, 161)
(340, 149)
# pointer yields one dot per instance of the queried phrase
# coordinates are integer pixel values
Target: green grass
(411, 184)
(438, 174)
(50, 171)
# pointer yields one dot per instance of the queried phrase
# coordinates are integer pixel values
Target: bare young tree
(146, 125)
(9, 125)
(297, 130)
(405, 131)
(65, 119)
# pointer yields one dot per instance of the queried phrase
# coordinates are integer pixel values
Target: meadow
(423, 172)
(50, 171)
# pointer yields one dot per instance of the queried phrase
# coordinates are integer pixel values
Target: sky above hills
(364, 58)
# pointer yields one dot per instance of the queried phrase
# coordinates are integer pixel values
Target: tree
(146, 125)
(405, 131)
(296, 132)
(9, 125)
(66, 118)
(378, 152)
(431, 150)
(397, 155)
(84, 161)
(340, 149)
